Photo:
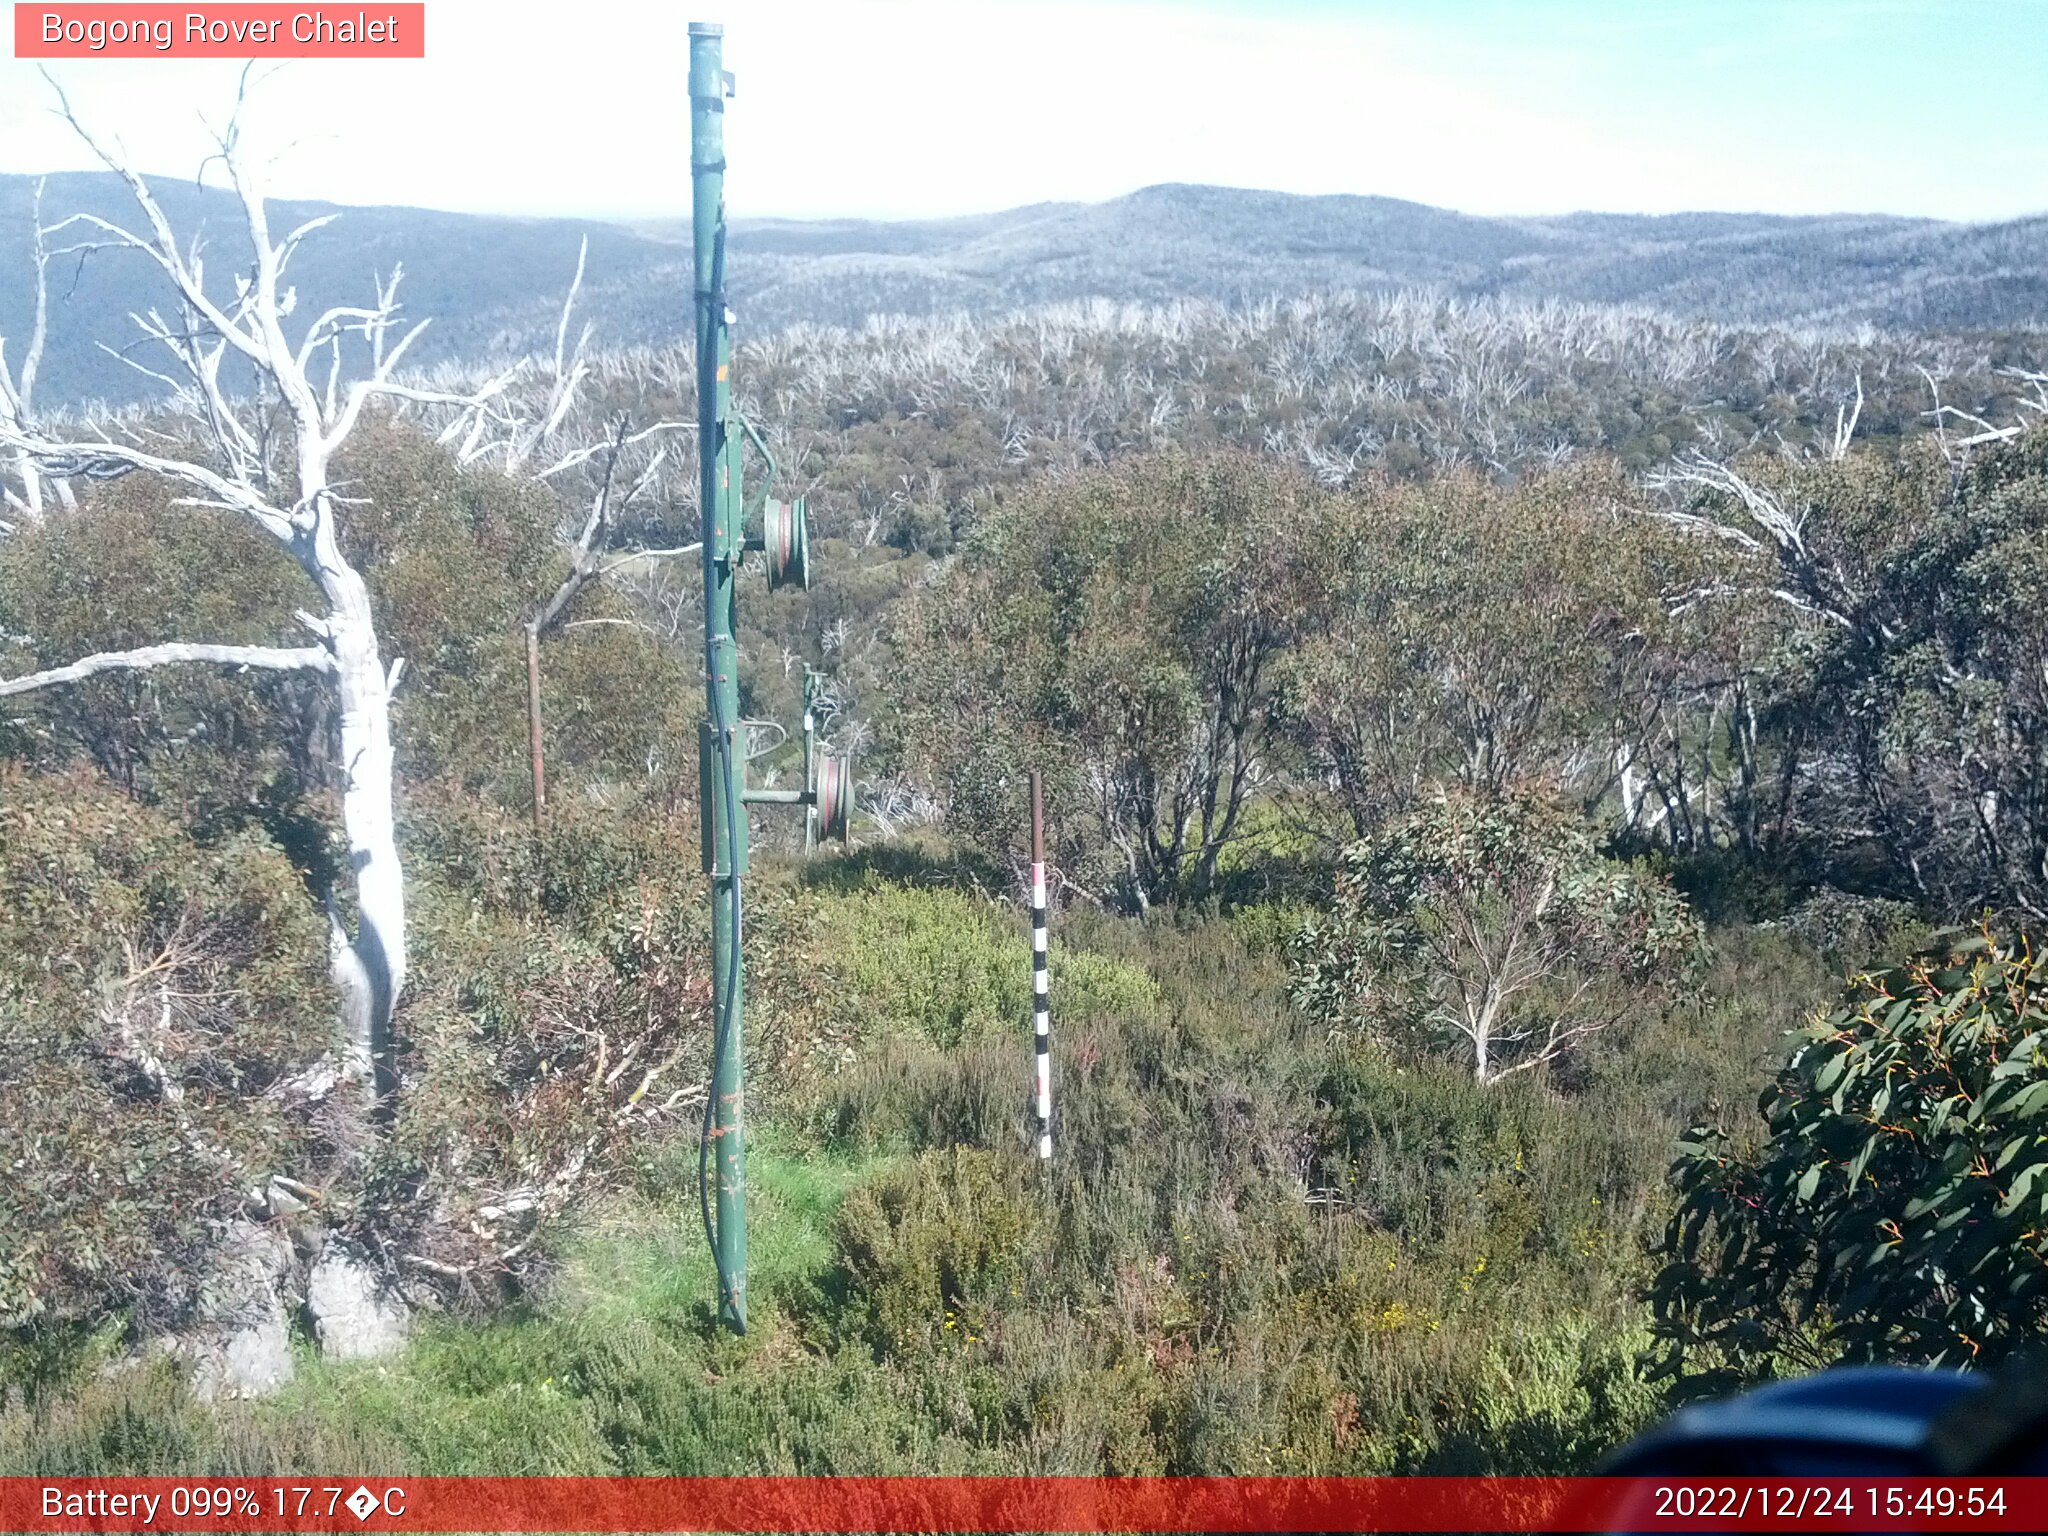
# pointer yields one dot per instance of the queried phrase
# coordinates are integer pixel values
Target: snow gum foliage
(1893, 1206)
(1494, 924)
(1127, 626)
(1480, 633)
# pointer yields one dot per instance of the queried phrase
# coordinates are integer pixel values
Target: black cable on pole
(722, 1028)
(719, 1037)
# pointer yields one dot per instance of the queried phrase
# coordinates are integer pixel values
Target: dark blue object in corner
(1840, 1423)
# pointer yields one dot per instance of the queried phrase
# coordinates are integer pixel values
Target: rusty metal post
(533, 741)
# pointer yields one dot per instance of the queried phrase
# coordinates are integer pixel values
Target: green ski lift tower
(723, 794)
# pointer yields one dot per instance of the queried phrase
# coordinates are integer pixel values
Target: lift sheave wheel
(786, 539)
(835, 798)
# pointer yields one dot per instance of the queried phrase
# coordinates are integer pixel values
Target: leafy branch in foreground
(1898, 1207)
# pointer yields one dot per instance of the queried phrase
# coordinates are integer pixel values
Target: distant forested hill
(494, 284)
(1223, 243)
(490, 284)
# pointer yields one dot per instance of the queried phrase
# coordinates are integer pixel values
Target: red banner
(860, 1504)
(73, 31)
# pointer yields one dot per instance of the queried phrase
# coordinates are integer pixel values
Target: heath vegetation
(1488, 744)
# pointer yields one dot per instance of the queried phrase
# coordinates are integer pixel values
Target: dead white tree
(622, 467)
(2029, 411)
(1846, 417)
(18, 389)
(225, 453)
(619, 486)
(1756, 520)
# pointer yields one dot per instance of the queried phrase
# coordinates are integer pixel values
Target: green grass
(1462, 1295)
(624, 1329)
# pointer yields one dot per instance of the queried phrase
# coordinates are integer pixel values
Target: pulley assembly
(786, 540)
(832, 797)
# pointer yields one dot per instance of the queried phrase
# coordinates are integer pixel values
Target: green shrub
(1491, 924)
(918, 1004)
(928, 1249)
(588, 862)
(1269, 927)
(555, 1019)
(151, 991)
(1856, 933)
(946, 967)
(1257, 1251)
(1893, 1209)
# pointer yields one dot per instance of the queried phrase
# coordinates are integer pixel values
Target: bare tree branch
(264, 657)
(103, 460)
(17, 395)
(1845, 426)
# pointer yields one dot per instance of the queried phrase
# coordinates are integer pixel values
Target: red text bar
(988, 1504)
(116, 31)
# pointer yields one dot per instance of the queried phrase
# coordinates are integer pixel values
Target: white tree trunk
(1631, 799)
(371, 969)
(31, 487)
(231, 461)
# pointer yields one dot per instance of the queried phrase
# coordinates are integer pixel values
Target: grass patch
(1258, 1249)
(602, 1373)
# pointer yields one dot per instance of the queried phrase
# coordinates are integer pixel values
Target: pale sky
(902, 108)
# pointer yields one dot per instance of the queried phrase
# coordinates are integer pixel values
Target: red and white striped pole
(1041, 997)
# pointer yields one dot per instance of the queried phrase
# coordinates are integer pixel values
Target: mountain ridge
(494, 283)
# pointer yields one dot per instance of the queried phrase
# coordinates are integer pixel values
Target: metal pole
(810, 763)
(721, 757)
(536, 758)
(1041, 985)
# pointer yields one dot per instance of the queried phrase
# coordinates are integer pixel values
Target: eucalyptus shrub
(1493, 925)
(1897, 1206)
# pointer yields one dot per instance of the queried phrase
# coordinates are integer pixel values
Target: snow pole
(1041, 987)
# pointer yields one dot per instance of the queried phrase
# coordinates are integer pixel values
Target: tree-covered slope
(494, 284)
